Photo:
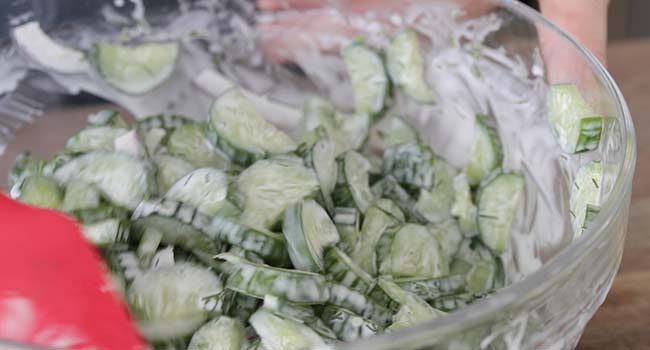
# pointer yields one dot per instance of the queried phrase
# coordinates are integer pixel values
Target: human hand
(303, 21)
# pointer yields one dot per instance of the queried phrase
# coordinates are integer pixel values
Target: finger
(585, 20)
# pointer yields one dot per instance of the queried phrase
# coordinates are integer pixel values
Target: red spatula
(54, 292)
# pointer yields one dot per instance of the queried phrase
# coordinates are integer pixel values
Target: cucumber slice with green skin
(434, 204)
(411, 251)
(268, 187)
(388, 132)
(221, 333)
(169, 170)
(576, 126)
(190, 142)
(41, 191)
(463, 208)
(360, 304)
(349, 235)
(299, 313)
(122, 179)
(257, 280)
(323, 161)
(242, 306)
(106, 233)
(308, 230)
(242, 133)
(26, 165)
(480, 268)
(171, 302)
(205, 188)
(353, 188)
(376, 222)
(101, 138)
(486, 153)
(246, 254)
(100, 213)
(591, 212)
(368, 77)
(39, 47)
(405, 66)
(412, 310)
(433, 288)
(107, 117)
(282, 333)
(167, 122)
(347, 325)
(389, 188)
(448, 235)
(412, 165)
(135, 69)
(148, 246)
(80, 195)
(344, 271)
(180, 224)
(354, 129)
(317, 115)
(497, 202)
(268, 245)
(452, 302)
(585, 193)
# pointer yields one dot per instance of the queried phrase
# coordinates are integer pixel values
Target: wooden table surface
(623, 322)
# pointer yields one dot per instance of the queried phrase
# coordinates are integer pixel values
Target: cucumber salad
(229, 233)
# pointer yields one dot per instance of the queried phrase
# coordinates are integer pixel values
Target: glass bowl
(495, 57)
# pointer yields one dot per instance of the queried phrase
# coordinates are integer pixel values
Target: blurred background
(628, 19)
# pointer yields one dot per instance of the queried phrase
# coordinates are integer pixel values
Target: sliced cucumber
(298, 313)
(190, 142)
(106, 233)
(368, 77)
(107, 117)
(376, 222)
(388, 132)
(257, 280)
(122, 179)
(171, 302)
(268, 245)
(585, 195)
(497, 203)
(577, 127)
(101, 138)
(360, 304)
(347, 325)
(434, 204)
(80, 195)
(318, 113)
(308, 230)
(242, 133)
(412, 310)
(41, 191)
(342, 269)
(221, 333)
(148, 246)
(353, 188)
(412, 165)
(129, 144)
(268, 187)
(167, 122)
(480, 268)
(282, 333)
(180, 224)
(405, 66)
(411, 251)
(323, 160)
(486, 153)
(433, 288)
(169, 170)
(448, 235)
(389, 188)
(39, 47)
(463, 208)
(135, 69)
(204, 188)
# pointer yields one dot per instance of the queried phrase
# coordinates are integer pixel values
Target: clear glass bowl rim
(517, 294)
(540, 280)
